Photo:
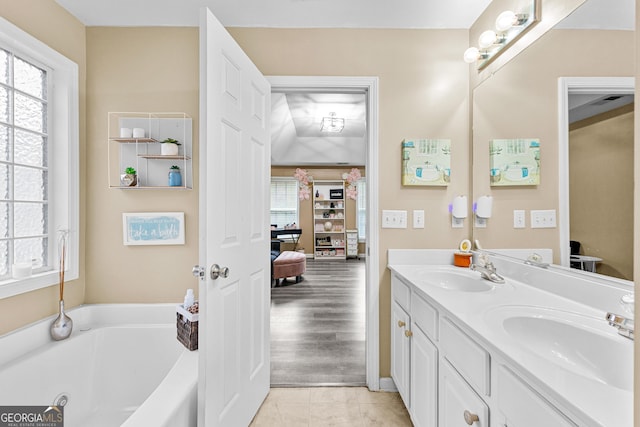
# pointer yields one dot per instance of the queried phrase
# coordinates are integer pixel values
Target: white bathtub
(122, 365)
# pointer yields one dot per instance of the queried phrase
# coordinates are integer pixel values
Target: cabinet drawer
(469, 358)
(522, 406)
(425, 316)
(457, 401)
(400, 292)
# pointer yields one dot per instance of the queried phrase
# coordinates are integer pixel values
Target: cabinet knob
(408, 333)
(470, 418)
(401, 324)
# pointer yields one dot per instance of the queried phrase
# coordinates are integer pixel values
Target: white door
(234, 233)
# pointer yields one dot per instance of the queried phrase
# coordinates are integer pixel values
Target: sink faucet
(622, 324)
(487, 270)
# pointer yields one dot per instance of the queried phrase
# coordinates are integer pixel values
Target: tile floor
(331, 407)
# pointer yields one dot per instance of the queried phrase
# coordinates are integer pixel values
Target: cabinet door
(400, 351)
(424, 380)
(458, 401)
(522, 406)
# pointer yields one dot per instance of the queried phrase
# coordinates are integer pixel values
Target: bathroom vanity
(535, 350)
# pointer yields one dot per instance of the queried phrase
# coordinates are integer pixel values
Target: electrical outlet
(480, 222)
(543, 218)
(519, 219)
(418, 219)
(394, 219)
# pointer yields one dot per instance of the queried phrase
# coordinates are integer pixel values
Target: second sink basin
(584, 345)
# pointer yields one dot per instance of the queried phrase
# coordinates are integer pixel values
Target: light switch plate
(394, 219)
(519, 219)
(543, 218)
(418, 219)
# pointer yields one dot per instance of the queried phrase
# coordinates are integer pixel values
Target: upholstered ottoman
(289, 264)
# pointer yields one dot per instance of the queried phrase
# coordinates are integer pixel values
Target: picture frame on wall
(514, 162)
(153, 228)
(426, 162)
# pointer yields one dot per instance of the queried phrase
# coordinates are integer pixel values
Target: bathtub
(122, 365)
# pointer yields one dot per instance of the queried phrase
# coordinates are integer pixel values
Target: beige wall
(138, 69)
(51, 24)
(305, 209)
(601, 183)
(520, 101)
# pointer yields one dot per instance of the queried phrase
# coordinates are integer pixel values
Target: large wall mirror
(587, 177)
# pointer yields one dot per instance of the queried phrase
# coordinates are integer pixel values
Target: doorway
(369, 87)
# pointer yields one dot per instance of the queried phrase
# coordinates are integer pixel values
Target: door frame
(372, 292)
(576, 85)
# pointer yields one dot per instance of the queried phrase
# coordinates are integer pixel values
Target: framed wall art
(153, 228)
(514, 161)
(426, 162)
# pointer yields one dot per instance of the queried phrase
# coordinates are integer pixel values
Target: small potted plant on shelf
(175, 178)
(169, 147)
(129, 178)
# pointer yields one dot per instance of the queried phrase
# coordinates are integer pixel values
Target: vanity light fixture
(332, 123)
(509, 26)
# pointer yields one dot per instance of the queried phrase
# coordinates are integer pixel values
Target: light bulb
(471, 55)
(506, 20)
(487, 39)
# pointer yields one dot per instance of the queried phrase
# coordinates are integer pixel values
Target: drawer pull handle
(408, 333)
(470, 418)
(401, 324)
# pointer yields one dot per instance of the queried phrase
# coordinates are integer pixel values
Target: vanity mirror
(521, 101)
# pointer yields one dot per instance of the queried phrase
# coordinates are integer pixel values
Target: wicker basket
(187, 325)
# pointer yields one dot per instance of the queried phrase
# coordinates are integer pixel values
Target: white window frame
(64, 175)
(284, 178)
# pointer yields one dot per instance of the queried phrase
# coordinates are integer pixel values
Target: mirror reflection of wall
(520, 100)
(601, 182)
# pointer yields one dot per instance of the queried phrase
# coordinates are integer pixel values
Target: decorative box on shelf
(187, 325)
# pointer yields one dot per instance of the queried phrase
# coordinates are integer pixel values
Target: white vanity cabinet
(447, 376)
(414, 357)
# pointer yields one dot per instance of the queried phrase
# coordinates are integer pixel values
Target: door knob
(217, 271)
(470, 418)
(198, 271)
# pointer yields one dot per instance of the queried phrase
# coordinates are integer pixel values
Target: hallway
(318, 326)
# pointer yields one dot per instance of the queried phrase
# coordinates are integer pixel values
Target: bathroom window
(38, 162)
(284, 201)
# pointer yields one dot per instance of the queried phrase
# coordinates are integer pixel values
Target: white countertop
(591, 400)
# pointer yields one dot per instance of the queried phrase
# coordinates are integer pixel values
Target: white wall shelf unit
(329, 220)
(143, 153)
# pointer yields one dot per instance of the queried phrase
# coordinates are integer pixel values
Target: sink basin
(455, 281)
(584, 345)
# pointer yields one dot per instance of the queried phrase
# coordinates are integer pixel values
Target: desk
(287, 234)
(587, 263)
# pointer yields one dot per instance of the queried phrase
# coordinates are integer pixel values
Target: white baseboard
(387, 384)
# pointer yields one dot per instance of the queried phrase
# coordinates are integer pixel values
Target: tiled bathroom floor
(331, 407)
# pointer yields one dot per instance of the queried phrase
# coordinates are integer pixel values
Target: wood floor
(318, 326)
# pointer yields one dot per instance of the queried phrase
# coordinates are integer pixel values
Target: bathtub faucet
(487, 270)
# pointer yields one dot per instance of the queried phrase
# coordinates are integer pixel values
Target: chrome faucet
(622, 324)
(487, 271)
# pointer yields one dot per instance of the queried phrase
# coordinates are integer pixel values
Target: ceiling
(296, 117)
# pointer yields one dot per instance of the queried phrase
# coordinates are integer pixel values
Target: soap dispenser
(188, 299)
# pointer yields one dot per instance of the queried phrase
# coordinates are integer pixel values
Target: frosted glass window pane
(4, 66)
(29, 219)
(4, 258)
(29, 113)
(5, 171)
(5, 133)
(33, 250)
(4, 105)
(29, 184)
(4, 220)
(30, 149)
(29, 78)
